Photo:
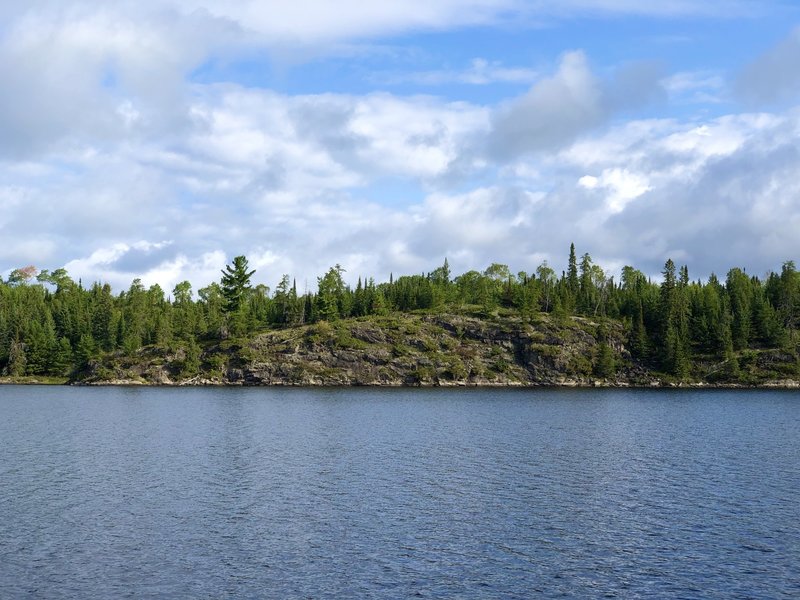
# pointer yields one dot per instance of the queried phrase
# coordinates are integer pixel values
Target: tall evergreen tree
(572, 271)
(674, 312)
(235, 283)
(738, 286)
(63, 359)
(638, 334)
(333, 296)
(570, 293)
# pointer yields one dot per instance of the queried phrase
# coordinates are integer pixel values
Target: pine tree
(569, 295)
(235, 283)
(379, 304)
(332, 297)
(738, 288)
(63, 359)
(674, 312)
(41, 343)
(86, 350)
(572, 272)
(605, 365)
(638, 335)
(191, 362)
(17, 359)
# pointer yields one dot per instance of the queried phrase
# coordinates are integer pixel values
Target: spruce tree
(638, 335)
(235, 283)
(63, 359)
(572, 271)
(604, 365)
(17, 360)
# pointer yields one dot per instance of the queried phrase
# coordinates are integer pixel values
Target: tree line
(52, 325)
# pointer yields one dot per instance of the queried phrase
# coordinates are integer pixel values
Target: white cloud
(696, 87)
(716, 194)
(76, 74)
(573, 101)
(555, 110)
(739, 204)
(621, 187)
(774, 76)
(107, 150)
(331, 142)
(285, 198)
(106, 264)
(318, 21)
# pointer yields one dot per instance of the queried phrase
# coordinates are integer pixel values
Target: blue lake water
(334, 493)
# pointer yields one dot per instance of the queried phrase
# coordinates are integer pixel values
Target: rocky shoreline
(431, 350)
(786, 384)
(783, 384)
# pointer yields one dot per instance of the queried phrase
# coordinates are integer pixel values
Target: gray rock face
(407, 350)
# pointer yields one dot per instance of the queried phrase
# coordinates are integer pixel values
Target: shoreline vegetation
(489, 328)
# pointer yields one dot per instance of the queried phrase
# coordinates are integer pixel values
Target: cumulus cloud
(316, 20)
(621, 186)
(116, 165)
(119, 264)
(554, 111)
(573, 101)
(715, 194)
(75, 74)
(333, 142)
(774, 76)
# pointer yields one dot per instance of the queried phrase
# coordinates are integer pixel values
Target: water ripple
(151, 493)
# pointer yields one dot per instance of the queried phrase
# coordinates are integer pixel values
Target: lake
(397, 493)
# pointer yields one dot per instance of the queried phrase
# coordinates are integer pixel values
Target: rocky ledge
(432, 350)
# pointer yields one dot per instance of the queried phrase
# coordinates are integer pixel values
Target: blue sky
(160, 138)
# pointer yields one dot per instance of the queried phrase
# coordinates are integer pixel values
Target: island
(488, 328)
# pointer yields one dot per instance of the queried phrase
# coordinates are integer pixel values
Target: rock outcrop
(410, 349)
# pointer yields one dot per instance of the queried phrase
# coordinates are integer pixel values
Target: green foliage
(50, 325)
(190, 366)
(455, 369)
(22, 276)
(344, 339)
(63, 358)
(546, 350)
(605, 365)
(217, 364)
(235, 283)
(17, 359)
(637, 340)
(182, 293)
(86, 350)
(399, 350)
(501, 365)
(424, 374)
(573, 284)
(579, 364)
(333, 300)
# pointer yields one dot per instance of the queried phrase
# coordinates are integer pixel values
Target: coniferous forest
(51, 325)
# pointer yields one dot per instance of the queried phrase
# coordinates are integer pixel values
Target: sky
(158, 139)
